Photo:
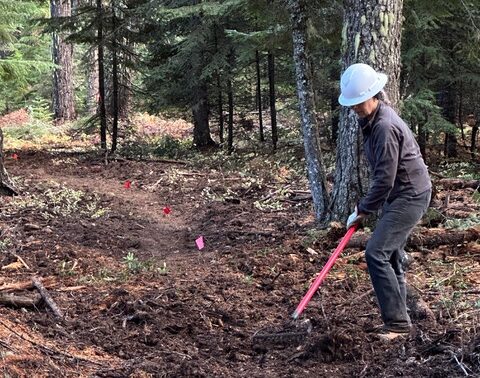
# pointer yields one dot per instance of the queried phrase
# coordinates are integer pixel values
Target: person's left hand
(355, 218)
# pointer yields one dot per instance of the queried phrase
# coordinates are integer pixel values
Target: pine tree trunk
(372, 35)
(115, 83)
(221, 121)
(200, 110)
(62, 53)
(230, 116)
(101, 79)
(92, 75)
(311, 140)
(125, 55)
(273, 110)
(92, 82)
(259, 96)
(446, 99)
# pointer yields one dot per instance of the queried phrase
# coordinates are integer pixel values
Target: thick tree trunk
(259, 96)
(273, 109)
(334, 108)
(63, 96)
(371, 34)
(201, 127)
(101, 79)
(311, 140)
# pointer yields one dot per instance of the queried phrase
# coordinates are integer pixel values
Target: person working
(400, 187)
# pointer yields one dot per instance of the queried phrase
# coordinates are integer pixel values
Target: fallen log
(458, 183)
(426, 238)
(46, 297)
(20, 301)
(24, 285)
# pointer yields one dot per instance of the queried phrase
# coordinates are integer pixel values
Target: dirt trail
(155, 234)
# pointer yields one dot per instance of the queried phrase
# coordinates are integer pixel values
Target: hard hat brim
(380, 83)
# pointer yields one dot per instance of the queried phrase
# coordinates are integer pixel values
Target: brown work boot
(389, 334)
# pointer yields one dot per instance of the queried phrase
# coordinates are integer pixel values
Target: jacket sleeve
(386, 153)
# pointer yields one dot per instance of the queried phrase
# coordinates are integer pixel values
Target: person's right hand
(355, 218)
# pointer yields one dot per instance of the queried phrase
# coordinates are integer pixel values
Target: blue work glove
(355, 218)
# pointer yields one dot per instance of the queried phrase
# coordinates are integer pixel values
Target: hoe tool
(294, 330)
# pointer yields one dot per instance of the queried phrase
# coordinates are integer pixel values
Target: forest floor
(141, 300)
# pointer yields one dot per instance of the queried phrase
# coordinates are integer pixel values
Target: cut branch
(19, 300)
(24, 285)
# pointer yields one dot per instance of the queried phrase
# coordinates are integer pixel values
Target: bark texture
(259, 96)
(201, 127)
(311, 139)
(371, 34)
(92, 82)
(101, 78)
(273, 98)
(62, 52)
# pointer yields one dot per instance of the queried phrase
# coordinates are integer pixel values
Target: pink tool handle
(324, 272)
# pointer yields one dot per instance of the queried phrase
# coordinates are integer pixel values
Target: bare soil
(140, 299)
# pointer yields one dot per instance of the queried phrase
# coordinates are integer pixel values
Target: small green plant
(67, 268)
(162, 270)
(269, 204)
(134, 265)
(248, 278)
(5, 244)
(63, 202)
(464, 223)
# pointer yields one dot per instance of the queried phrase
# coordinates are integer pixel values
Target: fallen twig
(46, 297)
(459, 364)
(21, 260)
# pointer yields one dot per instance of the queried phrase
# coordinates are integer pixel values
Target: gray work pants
(384, 254)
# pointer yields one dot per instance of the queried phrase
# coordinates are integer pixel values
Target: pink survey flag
(166, 210)
(127, 184)
(15, 157)
(199, 242)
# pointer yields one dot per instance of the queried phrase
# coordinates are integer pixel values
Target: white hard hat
(360, 82)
